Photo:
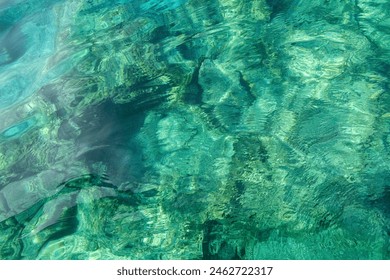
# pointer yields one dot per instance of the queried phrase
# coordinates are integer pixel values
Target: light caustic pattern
(219, 129)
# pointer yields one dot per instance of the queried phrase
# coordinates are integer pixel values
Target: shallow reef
(192, 129)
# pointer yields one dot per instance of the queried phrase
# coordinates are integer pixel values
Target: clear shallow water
(194, 129)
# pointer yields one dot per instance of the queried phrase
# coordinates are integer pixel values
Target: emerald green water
(219, 129)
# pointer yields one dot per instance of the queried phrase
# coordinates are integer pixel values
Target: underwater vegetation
(191, 129)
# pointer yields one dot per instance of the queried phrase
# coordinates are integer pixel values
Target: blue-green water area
(192, 129)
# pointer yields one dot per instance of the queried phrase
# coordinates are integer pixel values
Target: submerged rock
(192, 130)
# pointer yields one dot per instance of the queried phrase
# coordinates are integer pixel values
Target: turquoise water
(230, 129)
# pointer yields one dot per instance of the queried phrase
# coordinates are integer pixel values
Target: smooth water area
(191, 129)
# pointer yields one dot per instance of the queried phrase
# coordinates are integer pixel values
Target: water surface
(136, 129)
